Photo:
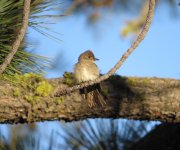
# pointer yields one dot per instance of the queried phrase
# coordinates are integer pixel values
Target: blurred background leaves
(98, 134)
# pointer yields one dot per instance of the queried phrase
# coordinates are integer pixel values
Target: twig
(19, 38)
(123, 58)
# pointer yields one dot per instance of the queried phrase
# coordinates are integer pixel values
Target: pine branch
(121, 61)
(127, 97)
(20, 36)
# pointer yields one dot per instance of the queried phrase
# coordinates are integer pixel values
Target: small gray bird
(86, 70)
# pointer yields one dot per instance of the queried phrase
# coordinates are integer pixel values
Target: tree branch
(132, 98)
(20, 36)
(123, 58)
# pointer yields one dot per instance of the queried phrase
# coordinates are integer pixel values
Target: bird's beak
(96, 59)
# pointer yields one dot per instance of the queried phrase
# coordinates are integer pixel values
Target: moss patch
(146, 81)
(29, 98)
(59, 100)
(43, 88)
(31, 87)
(132, 81)
(16, 92)
(69, 79)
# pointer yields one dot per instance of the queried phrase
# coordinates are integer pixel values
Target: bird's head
(87, 56)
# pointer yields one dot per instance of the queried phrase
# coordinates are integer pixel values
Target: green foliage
(11, 17)
(132, 27)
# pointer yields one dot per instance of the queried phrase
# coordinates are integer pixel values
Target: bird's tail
(94, 96)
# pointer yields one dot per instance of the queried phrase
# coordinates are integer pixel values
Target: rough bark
(128, 97)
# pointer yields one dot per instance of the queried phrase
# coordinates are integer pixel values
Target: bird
(86, 70)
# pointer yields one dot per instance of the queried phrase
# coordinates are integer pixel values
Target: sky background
(157, 56)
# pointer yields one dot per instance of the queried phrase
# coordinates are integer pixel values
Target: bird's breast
(86, 72)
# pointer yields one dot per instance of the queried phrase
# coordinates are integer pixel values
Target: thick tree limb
(122, 59)
(132, 98)
(19, 38)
